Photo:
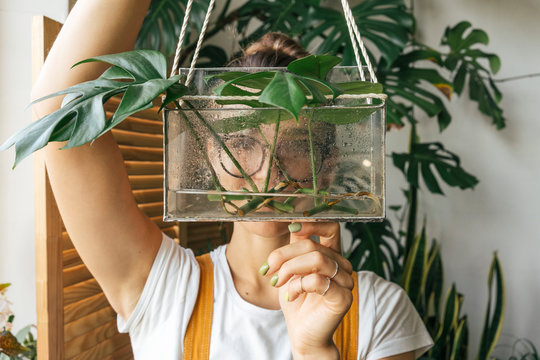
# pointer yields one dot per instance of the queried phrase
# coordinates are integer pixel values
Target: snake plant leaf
(314, 66)
(82, 119)
(429, 156)
(378, 249)
(414, 271)
(434, 280)
(284, 92)
(494, 318)
(448, 322)
(459, 345)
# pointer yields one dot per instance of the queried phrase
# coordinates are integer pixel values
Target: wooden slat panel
(124, 137)
(81, 291)
(141, 153)
(88, 323)
(133, 123)
(158, 220)
(144, 167)
(70, 258)
(84, 307)
(66, 241)
(89, 340)
(171, 232)
(48, 228)
(146, 182)
(152, 209)
(76, 274)
(122, 354)
(148, 196)
(105, 348)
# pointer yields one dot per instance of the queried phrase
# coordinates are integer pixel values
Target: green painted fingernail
(295, 227)
(274, 279)
(287, 296)
(264, 268)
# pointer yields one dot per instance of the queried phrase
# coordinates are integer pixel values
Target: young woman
(277, 294)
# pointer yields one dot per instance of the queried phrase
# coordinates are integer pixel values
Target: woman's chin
(265, 229)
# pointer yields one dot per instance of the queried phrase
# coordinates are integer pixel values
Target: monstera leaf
(163, 22)
(426, 157)
(377, 249)
(139, 75)
(409, 83)
(465, 60)
(385, 23)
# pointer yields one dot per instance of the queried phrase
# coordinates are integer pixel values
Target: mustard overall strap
(346, 335)
(197, 339)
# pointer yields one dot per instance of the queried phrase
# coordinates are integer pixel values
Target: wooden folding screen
(75, 320)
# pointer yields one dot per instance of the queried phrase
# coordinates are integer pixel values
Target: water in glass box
(232, 162)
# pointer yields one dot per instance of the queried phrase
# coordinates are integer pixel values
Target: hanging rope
(354, 34)
(181, 38)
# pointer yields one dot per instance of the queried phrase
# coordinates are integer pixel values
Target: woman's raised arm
(116, 241)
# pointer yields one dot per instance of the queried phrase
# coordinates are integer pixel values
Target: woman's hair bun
(272, 50)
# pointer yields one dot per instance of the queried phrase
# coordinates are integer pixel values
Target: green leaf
(425, 156)
(460, 340)
(494, 319)
(494, 63)
(284, 92)
(315, 66)
(414, 272)
(81, 118)
(175, 92)
(259, 80)
(378, 249)
(360, 87)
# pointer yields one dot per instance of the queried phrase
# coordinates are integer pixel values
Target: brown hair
(272, 50)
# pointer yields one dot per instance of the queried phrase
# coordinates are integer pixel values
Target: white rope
(349, 15)
(355, 46)
(199, 43)
(354, 34)
(254, 97)
(181, 38)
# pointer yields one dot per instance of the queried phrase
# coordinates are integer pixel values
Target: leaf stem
(215, 179)
(272, 151)
(224, 147)
(313, 170)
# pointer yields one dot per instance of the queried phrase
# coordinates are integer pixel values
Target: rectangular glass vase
(234, 162)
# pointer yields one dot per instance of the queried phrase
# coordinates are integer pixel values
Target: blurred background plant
(19, 346)
(419, 82)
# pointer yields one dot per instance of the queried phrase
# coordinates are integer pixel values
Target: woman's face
(290, 162)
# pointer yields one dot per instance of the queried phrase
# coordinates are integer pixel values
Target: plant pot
(234, 162)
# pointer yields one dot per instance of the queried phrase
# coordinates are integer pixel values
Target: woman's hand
(315, 288)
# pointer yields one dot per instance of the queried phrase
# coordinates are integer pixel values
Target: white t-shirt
(389, 323)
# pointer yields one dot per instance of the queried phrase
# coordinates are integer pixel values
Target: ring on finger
(328, 287)
(335, 272)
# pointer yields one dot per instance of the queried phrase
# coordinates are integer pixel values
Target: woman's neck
(248, 250)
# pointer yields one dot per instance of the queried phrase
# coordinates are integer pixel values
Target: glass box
(227, 162)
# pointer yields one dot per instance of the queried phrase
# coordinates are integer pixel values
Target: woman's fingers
(315, 283)
(280, 256)
(329, 233)
(314, 262)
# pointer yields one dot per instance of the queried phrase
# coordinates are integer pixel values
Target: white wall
(16, 187)
(501, 214)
